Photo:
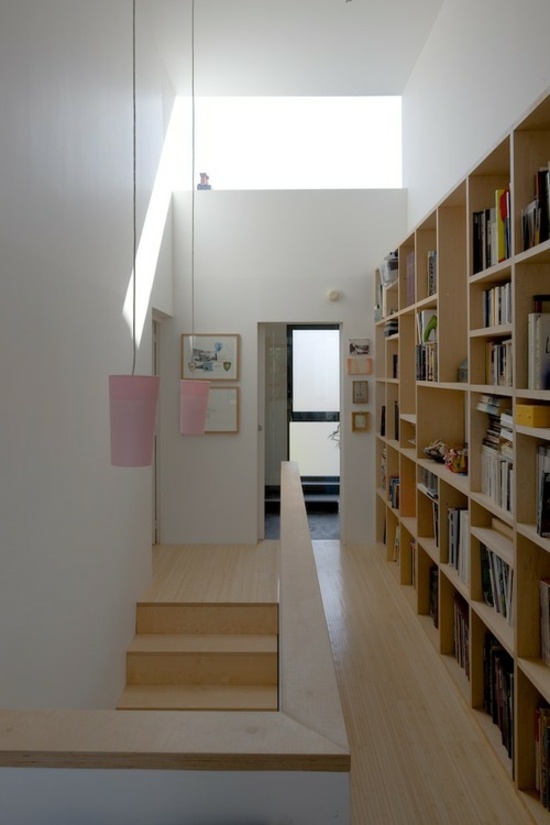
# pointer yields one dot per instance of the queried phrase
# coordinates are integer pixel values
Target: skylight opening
(299, 142)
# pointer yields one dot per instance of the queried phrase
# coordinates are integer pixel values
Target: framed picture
(210, 357)
(360, 392)
(359, 422)
(222, 415)
(359, 365)
(359, 346)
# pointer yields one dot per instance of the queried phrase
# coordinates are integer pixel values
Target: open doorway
(302, 414)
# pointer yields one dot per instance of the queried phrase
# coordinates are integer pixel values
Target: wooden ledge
(164, 740)
(307, 733)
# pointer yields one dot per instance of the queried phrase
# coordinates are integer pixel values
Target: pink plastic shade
(133, 403)
(193, 406)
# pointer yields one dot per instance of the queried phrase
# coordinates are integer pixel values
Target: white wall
(267, 257)
(121, 797)
(74, 531)
(483, 65)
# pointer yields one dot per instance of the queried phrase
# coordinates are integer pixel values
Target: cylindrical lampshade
(193, 406)
(133, 404)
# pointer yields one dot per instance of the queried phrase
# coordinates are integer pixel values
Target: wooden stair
(203, 656)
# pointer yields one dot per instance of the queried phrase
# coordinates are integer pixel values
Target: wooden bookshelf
(458, 264)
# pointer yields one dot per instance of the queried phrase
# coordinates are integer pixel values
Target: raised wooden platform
(206, 631)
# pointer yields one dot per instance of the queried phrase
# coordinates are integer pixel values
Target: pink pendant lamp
(193, 394)
(133, 398)
(133, 402)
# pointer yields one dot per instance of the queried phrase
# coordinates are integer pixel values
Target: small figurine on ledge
(204, 181)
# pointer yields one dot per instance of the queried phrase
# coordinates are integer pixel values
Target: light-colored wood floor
(221, 573)
(417, 755)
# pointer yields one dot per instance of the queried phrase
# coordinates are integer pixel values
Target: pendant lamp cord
(134, 181)
(192, 173)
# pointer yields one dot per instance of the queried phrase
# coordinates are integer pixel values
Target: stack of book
(497, 305)
(498, 362)
(497, 467)
(432, 272)
(427, 482)
(426, 349)
(544, 599)
(383, 469)
(410, 278)
(498, 689)
(542, 755)
(458, 532)
(497, 581)
(461, 632)
(413, 561)
(542, 480)
(538, 350)
(391, 327)
(491, 232)
(393, 492)
(535, 223)
(433, 594)
(396, 547)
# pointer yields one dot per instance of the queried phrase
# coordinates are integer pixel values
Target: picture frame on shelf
(210, 357)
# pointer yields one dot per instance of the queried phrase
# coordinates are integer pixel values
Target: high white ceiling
(293, 47)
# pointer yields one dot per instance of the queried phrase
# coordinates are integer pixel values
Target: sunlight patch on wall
(170, 177)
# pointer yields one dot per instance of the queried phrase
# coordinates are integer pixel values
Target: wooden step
(202, 659)
(199, 697)
(208, 618)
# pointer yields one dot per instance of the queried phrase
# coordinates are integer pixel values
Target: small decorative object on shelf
(437, 450)
(457, 461)
(389, 269)
(204, 183)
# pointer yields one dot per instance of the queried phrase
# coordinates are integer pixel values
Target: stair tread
(202, 643)
(206, 618)
(198, 697)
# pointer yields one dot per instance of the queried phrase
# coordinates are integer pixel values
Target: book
(486, 583)
(435, 522)
(542, 469)
(502, 225)
(538, 350)
(432, 272)
(544, 506)
(544, 600)
(433, 595)
(541, 303)
(410, 278)
(530, 224)
(541, 196)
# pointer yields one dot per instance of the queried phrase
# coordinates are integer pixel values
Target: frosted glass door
(314, 399)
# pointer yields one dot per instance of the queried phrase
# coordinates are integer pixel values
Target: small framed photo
(359, 346)
(222, 415)
(359, 422)
(210, 357)
(360, 392)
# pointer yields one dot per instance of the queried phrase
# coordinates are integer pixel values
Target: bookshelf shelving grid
(469, 547)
